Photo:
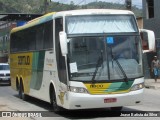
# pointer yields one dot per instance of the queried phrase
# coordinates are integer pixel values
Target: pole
(45, 6)
(46, 2)
(128, 4)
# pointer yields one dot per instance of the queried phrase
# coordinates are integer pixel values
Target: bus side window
(32, 39)
(40, 37)
(48, 35)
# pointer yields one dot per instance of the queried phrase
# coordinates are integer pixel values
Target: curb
(151, 87)
(151, 84)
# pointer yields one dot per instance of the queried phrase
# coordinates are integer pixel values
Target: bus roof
(94, 11)
(51, 15)
(34, 22)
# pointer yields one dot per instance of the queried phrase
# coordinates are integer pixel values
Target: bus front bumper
(88, 101)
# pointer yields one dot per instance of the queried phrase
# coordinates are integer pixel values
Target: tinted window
(35, 38)
(4, 67)
(48, 35)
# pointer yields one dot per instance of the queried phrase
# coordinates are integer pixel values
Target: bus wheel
(55, 107)
(21, 92)
(116, 108)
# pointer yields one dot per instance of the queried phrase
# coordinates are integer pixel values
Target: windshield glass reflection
(90, 54)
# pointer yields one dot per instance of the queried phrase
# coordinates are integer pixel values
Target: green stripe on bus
(37, 69)
(47, 18)
(119, 86)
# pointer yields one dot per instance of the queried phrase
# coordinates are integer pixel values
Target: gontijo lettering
(96, 86)
(23, 60)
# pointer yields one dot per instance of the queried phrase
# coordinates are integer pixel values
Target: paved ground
(150, 83)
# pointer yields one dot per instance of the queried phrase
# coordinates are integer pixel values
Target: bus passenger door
(61, 64)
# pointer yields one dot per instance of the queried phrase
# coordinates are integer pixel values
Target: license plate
(110, 100)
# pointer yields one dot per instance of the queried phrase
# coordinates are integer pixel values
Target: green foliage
(20, 6)
(37, 6)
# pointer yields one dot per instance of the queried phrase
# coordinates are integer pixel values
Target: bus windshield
(101, 24)
(101, 54)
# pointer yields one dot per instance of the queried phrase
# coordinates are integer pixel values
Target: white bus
(80, 59)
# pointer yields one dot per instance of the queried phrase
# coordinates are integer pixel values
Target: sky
(137, 3)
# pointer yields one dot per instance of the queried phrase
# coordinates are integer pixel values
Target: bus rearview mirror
(148, 40)
(63, 42)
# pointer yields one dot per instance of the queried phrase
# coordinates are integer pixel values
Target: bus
(80, 59)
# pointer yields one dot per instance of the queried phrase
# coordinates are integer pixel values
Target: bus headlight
(78, 89)
(137, 86)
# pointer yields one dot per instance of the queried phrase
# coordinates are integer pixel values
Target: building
(151, 16)
(5, 28)
(7, 22)
(140, 22)
(151, 21)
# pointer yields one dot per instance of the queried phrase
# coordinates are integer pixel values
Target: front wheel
(55, 107)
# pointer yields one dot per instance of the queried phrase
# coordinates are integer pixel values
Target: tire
(116, 108)
(55, 107)
(21, 92)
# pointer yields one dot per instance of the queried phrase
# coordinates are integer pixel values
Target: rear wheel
(21, 92)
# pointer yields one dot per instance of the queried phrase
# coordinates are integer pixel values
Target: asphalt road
(9, 101)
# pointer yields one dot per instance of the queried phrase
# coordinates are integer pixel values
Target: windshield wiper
(99, 63)
(122, 70)
(120, 67)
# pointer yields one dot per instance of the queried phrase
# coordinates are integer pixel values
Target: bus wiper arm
(120, 67)
(122, 70)
(99, 63)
